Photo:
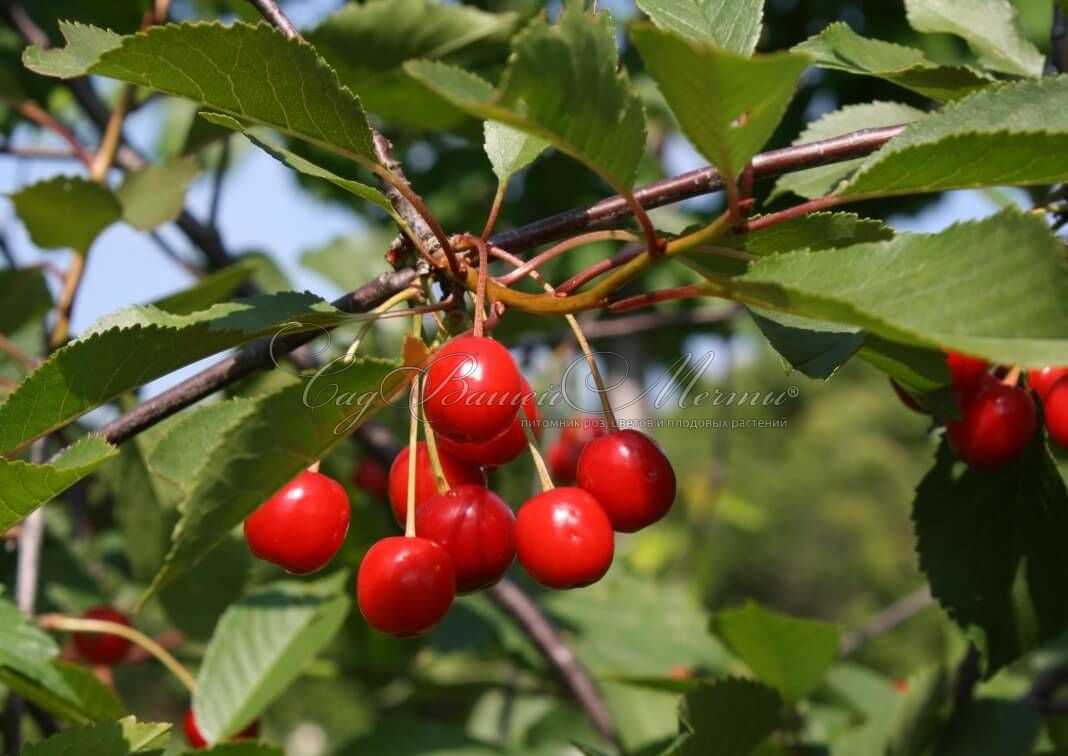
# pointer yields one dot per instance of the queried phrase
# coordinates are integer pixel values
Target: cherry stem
(314, 466)
(441, 483)
(539, 461)
(413, 438)
(790, 213)
(480, 288)
(1013, 376)
(653, 297)
(565, 246)
(389, 304)
(654, 245)
(495, 209)
(79, 625)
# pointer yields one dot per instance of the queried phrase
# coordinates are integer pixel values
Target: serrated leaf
(196, 600)
(840, 48)
(814, 232)
(248, 72)
(262, 644)
(790, 654)
(287, 431)
(155, 194)
(988, 26)
(26, 300)
(992, 727)
(137, 345)
(814, 347)
(728, 105)
(545, 91)
(24, 647)
(994, 288)
(816, 182)
(211, 289)
(510, 150)
(141, 509)
(989, 545)
(367, 43)
(728, 717)
(87, 208)
(25, 486)
(308, 168)
(126, 736)
(1012, 134)
(732, 25)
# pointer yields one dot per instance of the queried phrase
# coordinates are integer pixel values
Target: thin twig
(276, 17)
(495, 209)
(34, 112)
(655, 297)
(790, 213)
(905, 608)
(38, 153)
(561, 248)
(12, 350)
(217, 183)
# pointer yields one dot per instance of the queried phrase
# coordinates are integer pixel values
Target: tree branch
(889, 618)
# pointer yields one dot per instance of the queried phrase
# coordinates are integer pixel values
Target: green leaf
(816, 182)
(249, 72)
(1013, 134)
(729, 717)
(24, 647)
(402, 736)
(814, 347)
(727, 105)
(814, 232)
(367, 43)
(137, 345)
(988, 26)
(732, 25)
(25, 486)
(87, 208)
(308, 168)
(348, 261)
(196, 600)
(545, 91)
(284, 433)
(923, 714)
(510, 150)
(26, 301)
(994, 288)
(787, 653)
(989, 542)
(126, 736)
(840, 48)
(209, 290)
(992, 727)
(155, 194)
(261, 644)
(238, 749)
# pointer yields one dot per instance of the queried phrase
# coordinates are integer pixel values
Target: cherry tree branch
(900, 611)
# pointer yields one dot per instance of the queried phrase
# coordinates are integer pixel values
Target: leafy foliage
(87, 208)
(732, 26)
(126, 736)
(155, 194)
(729, 717)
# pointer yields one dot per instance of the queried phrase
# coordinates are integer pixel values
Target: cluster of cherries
(108, 650)
(465, 538)
(998, 418)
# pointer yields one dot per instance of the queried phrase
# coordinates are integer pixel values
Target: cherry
(906, 398)
(473, 389)
(196, 739)
(996, 424)
(302, 526)
(371, 476)
(504, 447)
(476, 528)
(1043, 379)
(1056, 406)
(563, 456)
(631, 478)
(103, 648)
(564, 539)
(405, 585)
(967, 372)
(457, 473)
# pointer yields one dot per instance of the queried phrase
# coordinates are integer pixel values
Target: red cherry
(476, 528)
(1056, 406)
(1043, 379)
(195, 739)
(457, 473)
(473, 389)
(504, 447)
(906, 398)
(103, 648)
(371, 476)
(564, 539)
(630, 477)
(563, 456)
(967, 372)
(582, 429)
(995, 426)
(302, 526)
(405, 586)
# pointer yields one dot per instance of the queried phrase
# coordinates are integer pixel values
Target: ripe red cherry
(563, 456)
(631, 478)
(995, 426)
(473, 389)
(967, 372)
(302, 526)
(476, 528)
(405, 585)
(1043, 379)
(457, 473)
(371, 476)
(564, 539)
(1056, 406)
(102, 648)
(906, 398)
(504, 447)
(195, 739)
